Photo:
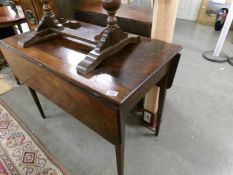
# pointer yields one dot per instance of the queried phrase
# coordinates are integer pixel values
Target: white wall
(189, 9)
(195, 7)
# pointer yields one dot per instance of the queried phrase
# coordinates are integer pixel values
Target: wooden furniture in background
(63, 9)
(164, 18)
(102, 98)
(33, 11)
(131, 19)
(8, 20)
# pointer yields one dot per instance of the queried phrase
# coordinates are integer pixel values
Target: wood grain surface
(8, 17)
(124, 72)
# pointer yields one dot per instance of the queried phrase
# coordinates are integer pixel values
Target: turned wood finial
(46, 7)
(111, 6)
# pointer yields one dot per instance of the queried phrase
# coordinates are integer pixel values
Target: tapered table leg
(36, 99)
(162, 94)
(164, 84)
(120, 148)
(17, 80)
(231, 61)
(20, 28)
(120, 152)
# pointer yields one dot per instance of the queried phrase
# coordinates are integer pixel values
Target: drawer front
(96, 114)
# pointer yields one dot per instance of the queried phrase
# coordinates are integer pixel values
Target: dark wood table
(8, 19)
(102, 98)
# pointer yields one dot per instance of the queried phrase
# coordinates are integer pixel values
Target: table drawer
(98, 115)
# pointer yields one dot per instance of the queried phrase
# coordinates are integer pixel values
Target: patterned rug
(21, 153)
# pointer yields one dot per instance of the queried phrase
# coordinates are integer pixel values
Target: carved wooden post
(110, 41)
(112, 32)
(49, 19)
(46, 7)
(164, 17)
(111, 7)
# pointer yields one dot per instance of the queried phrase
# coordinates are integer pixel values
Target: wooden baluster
(110, 41)
(112, 33)
(49, 19)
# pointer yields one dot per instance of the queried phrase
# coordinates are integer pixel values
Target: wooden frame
(203, 18)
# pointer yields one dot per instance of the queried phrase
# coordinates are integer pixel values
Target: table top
(124, 72)
(7, 15)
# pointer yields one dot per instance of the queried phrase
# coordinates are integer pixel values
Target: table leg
(165, 84)
(173, 70)
(162, 94)
(36, 99)
(120, 148)
(20, 28)
(2, 60)
(17, 80)
(120, 152)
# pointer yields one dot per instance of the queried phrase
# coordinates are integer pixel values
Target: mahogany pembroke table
(99, 99)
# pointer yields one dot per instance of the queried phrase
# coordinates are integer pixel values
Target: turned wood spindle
(110, 41)
(46, 7)
(112, 33)
(49, 19)
(111, 6)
